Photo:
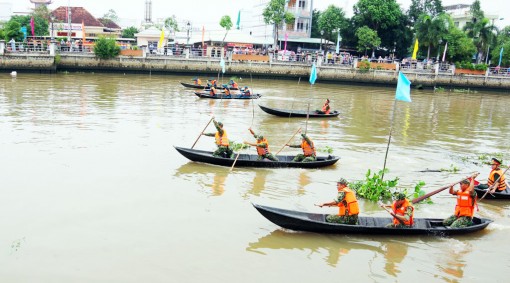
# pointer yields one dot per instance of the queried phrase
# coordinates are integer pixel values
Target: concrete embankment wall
(278, 70)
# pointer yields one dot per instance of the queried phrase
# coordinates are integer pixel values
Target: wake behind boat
(297, 113)
(225, 96)
(250, 160)
(315, 222)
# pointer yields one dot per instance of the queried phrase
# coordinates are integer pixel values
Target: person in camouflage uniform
(402, 212)
(262, 147)
(347, 204)
(309, 154)
(465, 208)
(221, 141)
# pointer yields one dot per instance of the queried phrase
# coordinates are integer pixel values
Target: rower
(347, 203)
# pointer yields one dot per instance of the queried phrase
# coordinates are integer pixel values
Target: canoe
(250, 160)
(224, 96)
(296, 113)
(203, 86)
(496, 195)
(314, 222)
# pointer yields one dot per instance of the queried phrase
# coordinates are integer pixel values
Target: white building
(461, 14)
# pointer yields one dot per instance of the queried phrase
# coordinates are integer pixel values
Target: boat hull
(314, 222)
(297, 113)
(224, 96)
(250, 160)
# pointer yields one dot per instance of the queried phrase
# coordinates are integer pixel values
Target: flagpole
(389, 138)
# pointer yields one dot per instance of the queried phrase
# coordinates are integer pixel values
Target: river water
(93, 190)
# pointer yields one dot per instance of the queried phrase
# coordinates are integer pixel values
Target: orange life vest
(308, 150)
(214, 91)
(198, 82)
(227, 91)
(262, 150)
(213, 82)
(350, 202)
(465, 204)
(491, 180)
(325, 108)
(235, 85)
(401, 211)
(221, 140)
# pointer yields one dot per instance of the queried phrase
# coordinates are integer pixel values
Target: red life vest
(350, 202)
(308, 150)
(262, 150)
(221, 140)
(401, 211)
(491, 180)
(465, 204)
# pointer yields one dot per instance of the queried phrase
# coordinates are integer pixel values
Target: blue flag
(500, 56)
(313, 74)
(238, 19)
(403, 88)
(222, 64)
(24, 31)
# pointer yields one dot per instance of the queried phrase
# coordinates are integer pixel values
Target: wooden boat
(314, 222)
(496, 195)
(296, 113)
(250, 160)
(224, 96)
(202, 86)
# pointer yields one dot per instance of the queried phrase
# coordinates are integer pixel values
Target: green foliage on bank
(106, 48)
(471, 66)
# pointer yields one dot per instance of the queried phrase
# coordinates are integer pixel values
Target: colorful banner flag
(32, 25)
(161, 39)
(238, 20)
(500, 56)
(313, 74)
(415, 49)
(403, 88)
(222, 64)
(82, 31)
(285, 45)
(444, 53)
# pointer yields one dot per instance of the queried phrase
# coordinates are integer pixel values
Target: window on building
(300, 26)
(302, 3)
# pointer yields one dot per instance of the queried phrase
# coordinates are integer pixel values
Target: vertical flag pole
(403, 93)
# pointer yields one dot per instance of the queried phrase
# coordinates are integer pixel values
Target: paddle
(495, 182)
(418, 199)
(298, 130)
(212, 118)
(393, 214)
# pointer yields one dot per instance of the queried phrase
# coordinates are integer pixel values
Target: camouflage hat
(259, 137)
(496, 160)
(342, 181)
(220, 124)
(400, 196)
(466, 181)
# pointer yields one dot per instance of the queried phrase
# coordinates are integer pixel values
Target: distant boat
(225, 96)
(297, 113)
(14, 74)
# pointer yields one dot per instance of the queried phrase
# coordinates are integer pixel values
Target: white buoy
(14, 74)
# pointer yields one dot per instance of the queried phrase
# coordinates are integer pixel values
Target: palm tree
(430, 30)
(482, 33)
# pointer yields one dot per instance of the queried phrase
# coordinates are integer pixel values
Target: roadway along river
(93, 190)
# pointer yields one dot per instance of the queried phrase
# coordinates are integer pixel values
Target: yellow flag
(415, 49)
(161, 38)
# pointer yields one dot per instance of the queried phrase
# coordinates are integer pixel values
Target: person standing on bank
(496, 181)
(262, 147)
(402, 212)
(465, 208)
(309, 152)
(347, 203)
(221, 141)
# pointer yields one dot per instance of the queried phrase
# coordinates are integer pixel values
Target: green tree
(12, 29)
(483, 33)
(275, 14)
(111, 15)
(429, 7)
(171, 23)
(226, 23)
(129, 32)
(106, 48)
(332, 19)
(460, 46)
(367, 39)
(430, 30)
(383, 16)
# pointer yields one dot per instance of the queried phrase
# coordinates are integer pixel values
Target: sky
(202, 12)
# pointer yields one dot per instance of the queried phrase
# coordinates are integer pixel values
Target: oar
(495, 182)
(392, 214)
(298, 130)
(202, 132)
(418, 199)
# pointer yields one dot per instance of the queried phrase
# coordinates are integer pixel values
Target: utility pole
(69, 20)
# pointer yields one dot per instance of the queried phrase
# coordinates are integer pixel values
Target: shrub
(106, 48)
(364, 66)
(57, 59)
(471, 66)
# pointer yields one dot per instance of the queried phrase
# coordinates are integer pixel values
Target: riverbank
(205, 66)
